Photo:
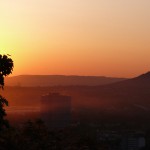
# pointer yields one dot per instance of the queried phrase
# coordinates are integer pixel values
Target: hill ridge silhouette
(59, 80)
(144, 76)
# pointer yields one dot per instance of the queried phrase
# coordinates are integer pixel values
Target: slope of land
(58, 80)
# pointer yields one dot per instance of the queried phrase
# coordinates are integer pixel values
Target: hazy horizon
(63, 75)
(81, 77)
(78, 75)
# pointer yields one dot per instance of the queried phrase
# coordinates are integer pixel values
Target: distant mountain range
(125, 97)
(59, 80)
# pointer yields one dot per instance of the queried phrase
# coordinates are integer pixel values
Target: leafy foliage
(3, 102)
(6, 68)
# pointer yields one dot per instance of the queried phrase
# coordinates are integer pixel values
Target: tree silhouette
(6, 68)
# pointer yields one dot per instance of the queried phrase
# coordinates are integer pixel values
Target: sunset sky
(76, 37)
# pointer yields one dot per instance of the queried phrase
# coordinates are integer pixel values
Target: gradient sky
(80, 37)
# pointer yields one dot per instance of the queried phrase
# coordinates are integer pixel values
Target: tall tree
(6, 68)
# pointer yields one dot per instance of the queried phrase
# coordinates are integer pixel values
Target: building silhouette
(56, 110)
(133, 141)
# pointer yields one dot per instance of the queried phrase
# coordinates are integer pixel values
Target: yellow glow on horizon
(76, 37)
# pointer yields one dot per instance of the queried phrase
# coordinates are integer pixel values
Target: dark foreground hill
(58, 80)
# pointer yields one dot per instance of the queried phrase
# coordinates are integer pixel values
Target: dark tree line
(6, 68)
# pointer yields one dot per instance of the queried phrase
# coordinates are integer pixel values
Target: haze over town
(80, 74)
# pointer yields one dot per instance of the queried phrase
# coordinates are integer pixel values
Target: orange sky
(81, 37)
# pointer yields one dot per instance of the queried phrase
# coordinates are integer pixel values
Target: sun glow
(3, 52)
(76, 37)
